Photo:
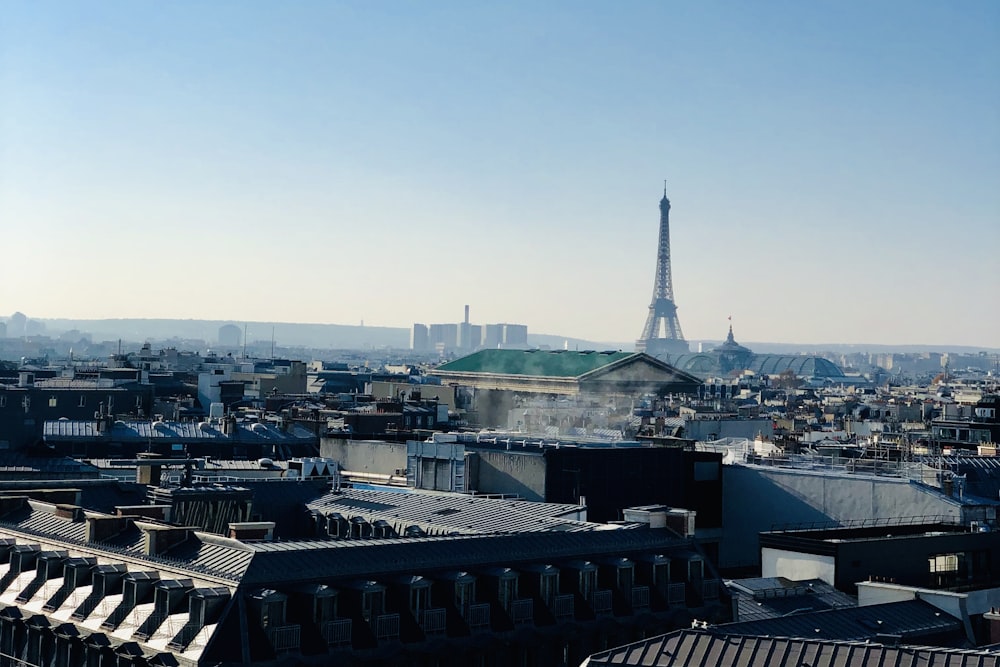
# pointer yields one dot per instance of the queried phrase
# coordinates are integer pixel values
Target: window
(53, 402)
(549, 588)
(588, 583)
(507, 592)
(83, 402)
(372, 604)
(418, 601)
(464, 593)
(324, 609)
(3, 401)
(625, 579)
(943, 563)
(272, 613)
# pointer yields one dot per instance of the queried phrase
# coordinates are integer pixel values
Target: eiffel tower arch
(661, 336)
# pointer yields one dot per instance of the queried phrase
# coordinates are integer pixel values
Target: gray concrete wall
(509, 472)
(756, 499)
(715, 429)
(373, 456)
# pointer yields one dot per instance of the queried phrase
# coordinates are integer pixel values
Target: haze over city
(832, 167)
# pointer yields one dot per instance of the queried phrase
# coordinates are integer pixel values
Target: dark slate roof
(909, 619)
(534, 363)
(686, 648)
(453, 512)
(770, 597)
(301, 562)
(204, 554)
(982, 473)
(11, 462)
(144, 431)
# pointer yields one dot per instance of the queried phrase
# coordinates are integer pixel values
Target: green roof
(536, 363)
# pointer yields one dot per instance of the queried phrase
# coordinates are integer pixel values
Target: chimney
(466, 313)
(158, 539)
(71, 512)
(101, 528)
(992, 622)
(252, 531)
(155, 512)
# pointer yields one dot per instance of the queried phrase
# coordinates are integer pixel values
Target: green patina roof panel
(537, 363)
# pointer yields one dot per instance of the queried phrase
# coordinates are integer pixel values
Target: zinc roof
(143, 431)
(534, 363)
(909, 619)
(692, 647)
(769, 597)
(285, 562)
(447, 513)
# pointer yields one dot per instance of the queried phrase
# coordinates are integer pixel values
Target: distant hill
(333, 336)
(554, 342)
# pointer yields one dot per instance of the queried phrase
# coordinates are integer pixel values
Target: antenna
(244, 341)
(272, 342)
(664, 187)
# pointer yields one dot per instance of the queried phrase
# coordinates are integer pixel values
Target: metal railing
(676, 595)
(875, 522)
(563, 607)
(434, 621)
(284, 638)
(387, 627)
(640, 597)
(601, 602)
(479, 616)
(338, 632)
(522, 611)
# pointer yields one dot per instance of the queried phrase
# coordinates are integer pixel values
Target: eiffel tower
(662, 337)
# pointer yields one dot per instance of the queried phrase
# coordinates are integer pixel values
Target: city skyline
(831, 168)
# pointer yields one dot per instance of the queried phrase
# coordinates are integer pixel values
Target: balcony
(676, 596)
(640, 598)
(336, 633)
(602, 603)
(284, 638)
(563, 608)
(434, 621)
(386, 627)
(479, 617)
(522, 611)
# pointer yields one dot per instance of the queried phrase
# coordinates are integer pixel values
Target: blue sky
(834, 167)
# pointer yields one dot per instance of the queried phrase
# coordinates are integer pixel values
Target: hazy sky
(834, 167)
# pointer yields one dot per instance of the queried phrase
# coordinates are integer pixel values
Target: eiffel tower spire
(662, 336)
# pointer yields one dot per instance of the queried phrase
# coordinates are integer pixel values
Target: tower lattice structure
(662, 336)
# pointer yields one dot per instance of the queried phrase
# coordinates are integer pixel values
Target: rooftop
(534, 363)
(693, 647)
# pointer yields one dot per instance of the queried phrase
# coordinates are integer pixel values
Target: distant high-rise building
(492, 337)
(661, 336)
(515, 335)
(230, 335)
(444, 336)
(419, 338)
